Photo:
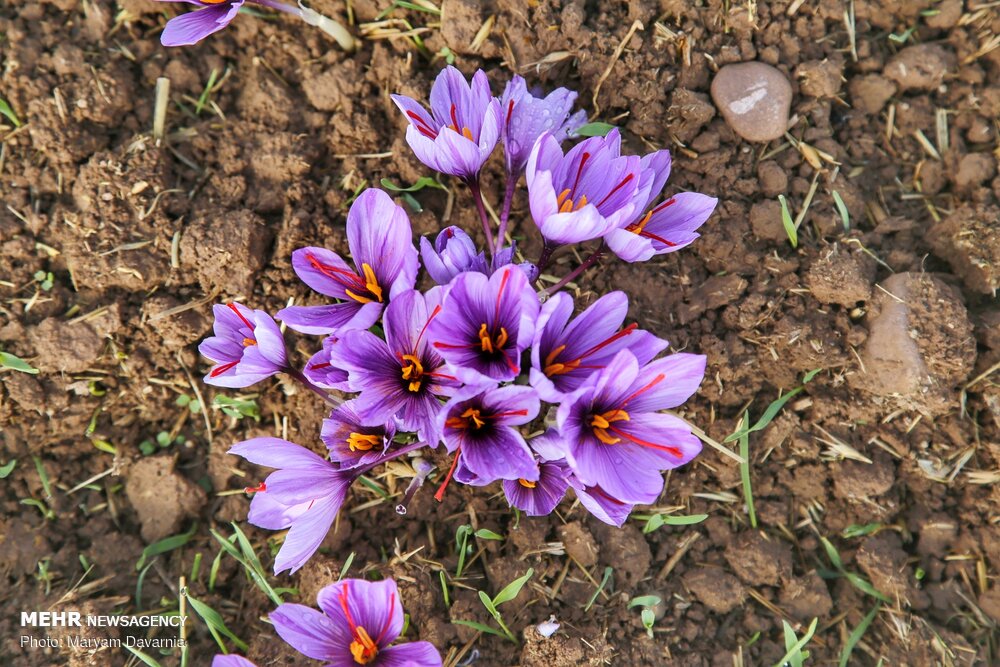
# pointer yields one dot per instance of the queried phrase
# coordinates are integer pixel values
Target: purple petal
(414, 654)
(667, 382)
(600, 504)
(339, 317)
(307, 631)
(192, 27)
(231, 661)
(277, 453)
(307, 533)
(541, 498)
(326, 272)
(502, 454)
(379, 234)
(549, 446)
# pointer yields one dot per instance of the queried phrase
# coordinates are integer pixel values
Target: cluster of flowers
(516, 388)
(359, 621)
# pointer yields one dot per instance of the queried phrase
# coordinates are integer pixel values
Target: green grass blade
(856, 635)
(164, 545)
(788, 223)
(745, 472)
(215, 623)
(7, 111)
(511, 590)
(145, 657)
(795, 651)
(480, 627)
(8, 360)
(596, 129)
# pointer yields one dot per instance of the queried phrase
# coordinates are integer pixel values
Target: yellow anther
(361, 441)
(526, 484)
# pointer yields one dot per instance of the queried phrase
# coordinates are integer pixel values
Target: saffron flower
(485, 324)
(566, 353)
(303, 494)
(668, 227)
(453, 253)
(247, 347)
(352, 443)
(615, 437)
(385, 263)
(462, 128)
(231, 661)
(320, 369)
(526, 117)
(358, 622)
(592, 189)
(540, 496)
(192, 27)
(403, 375)
(479, 424)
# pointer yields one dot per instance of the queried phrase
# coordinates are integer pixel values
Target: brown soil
(899, 310)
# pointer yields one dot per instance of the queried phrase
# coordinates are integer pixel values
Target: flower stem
(587, 263)
(406, 449)
(508, 200)
(297, 375)
(477, 195)
(545, 256)
(329, 26)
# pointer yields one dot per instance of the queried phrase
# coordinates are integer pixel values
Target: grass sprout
(795, 656)
(509, 592)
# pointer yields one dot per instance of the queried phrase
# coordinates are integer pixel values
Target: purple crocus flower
(452, 253)
(359, 621)
(592, 189)
(385, 264)
(566, 353)
(460, 132)
(526, 117)
(321, 371)
(615, 437)
(231, 661)
(351, 442)
(540, 496)
(485, 324)
(303, 494)
(479, 424)
(192, 27)
(247, 347)
(668, 227)
(400, 376)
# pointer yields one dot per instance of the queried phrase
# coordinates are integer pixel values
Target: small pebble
(754, 98)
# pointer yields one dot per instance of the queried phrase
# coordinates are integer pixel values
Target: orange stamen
(602, 422)
(526, 484)
(362, 441)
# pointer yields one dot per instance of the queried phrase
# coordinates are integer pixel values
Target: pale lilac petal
(277, 453)
(549, 446)
(268, 512)
(231, 661)
(667, 382)
(270, 342)
(502, 454)
(379, 234)
(414, 654)
(306, 534)
(307, 631)
(627, 472)
(338, 317)
(192, 27)
(326, 272)
(600, 504)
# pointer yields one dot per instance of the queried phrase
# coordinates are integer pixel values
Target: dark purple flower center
(553, 366)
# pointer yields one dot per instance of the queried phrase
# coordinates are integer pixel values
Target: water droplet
(401, 509)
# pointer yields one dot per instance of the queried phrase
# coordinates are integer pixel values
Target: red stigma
(439, 494)
(421, 125)
(503, 287)
(222, 368)
(338, 274)
(657, 380)
(616, 188)
(651, 235)
(579, 171)
(510, 112)
(260, 488)
(232, 307)
(434, 313)
(316, 367)
(673, 451)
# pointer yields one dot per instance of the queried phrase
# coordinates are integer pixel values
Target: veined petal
(414, 654)
(326, 272)
(306, 534)
(379, 235)
(308, 631)
(335, 318)
(372, 605)
(192, 27)
(667, 382)
(277, 453)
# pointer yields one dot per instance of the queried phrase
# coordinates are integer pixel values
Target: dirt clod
(65, 348)
(920, 67)
(579, 543)
(758, 560)
(719, 591)
(161, 497)
(968, 241)
(841, 278)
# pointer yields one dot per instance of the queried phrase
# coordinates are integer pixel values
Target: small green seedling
(185, 401)
(237, 408)
(647, 602)
(163, 440)
(654, 521)
(845, 216)
(509, 592)
(447, 54)
(7, 468)
(487, 534)
(203, 98)
(856, 580)
(861, 530)
(462, 547)
(45, 280)
(795, 656)
(422, 182)
(595, 129)
(608, 571)
(165, 545)
(8, 112)
(8, 360)
(788, 223)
